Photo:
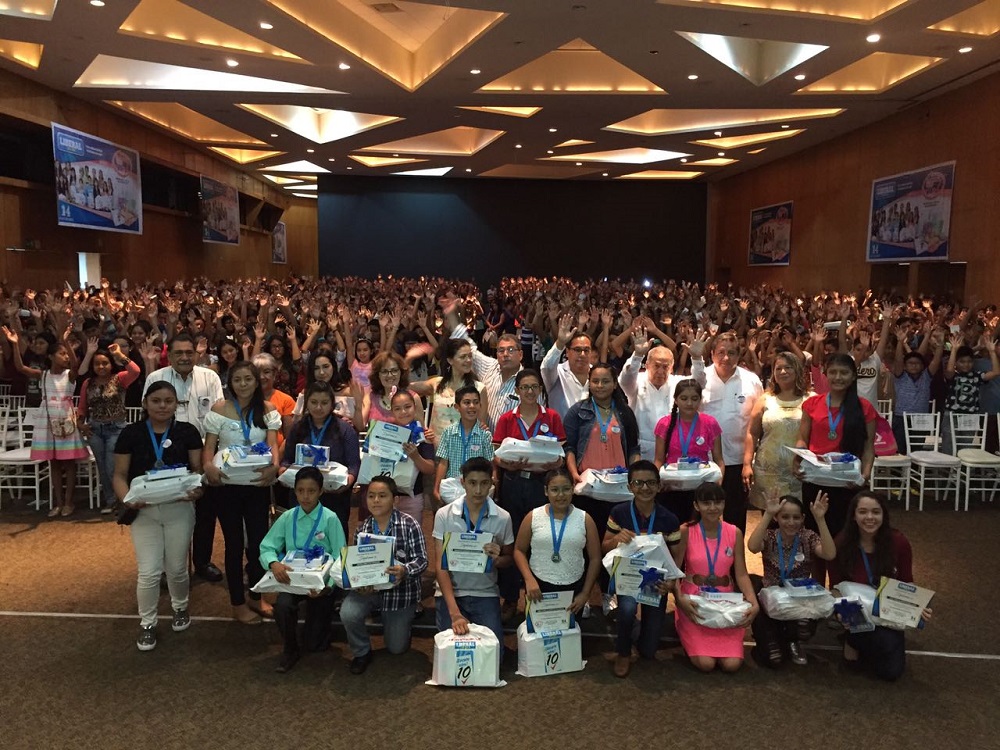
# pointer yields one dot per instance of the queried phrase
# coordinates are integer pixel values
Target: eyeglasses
(529, 388)
(506, 349)
(559, 490)
(644, 483)
(394, 371)
(581, 349)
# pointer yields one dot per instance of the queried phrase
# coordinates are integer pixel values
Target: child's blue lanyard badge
(868, 567)
(557, 539)
(316, 438)
(710, 579)
(601, 423)
(786, 571)
(685, 440)
(158, 445)
(466, 440)
(534, 429)
(468, 518)
(245, 422)
(834, 423)
(309, 551)
(635, 520)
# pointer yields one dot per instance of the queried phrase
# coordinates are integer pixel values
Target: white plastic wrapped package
(254, 455)
(452, 490)
(334, 476)
(650, 547)
(720, 614)
(146, 489)
(829, 469)
(611, 487)
(538, 450)
(866, 595)
(234, 473)
(404, 473)
(679, 479)
(780, 604)
(269, 585)
(471, 660)
(549, 652)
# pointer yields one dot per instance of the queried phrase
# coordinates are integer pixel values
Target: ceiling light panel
(383, 161)
(572, 142)
(757, 60)
(574, 68)
(750, 139)
(408, 45)
(107, 71)
(317, 124)
(303, 167)
(539, 171)
(186, 122)
(979, 20)
(279, 180)
(659, 174)
(666, 121)
(173, 21)
(25, 53)
(37, 9)
(510, 111)
(873, 74)
(622, 156)
(432, 172)
(717, 162)
(856, 10)
(457, 141)
(245, 155)
(301, 187)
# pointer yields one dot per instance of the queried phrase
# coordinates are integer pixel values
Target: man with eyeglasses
(650, 393)
(566, 382)
(496, 374)
(198, 389)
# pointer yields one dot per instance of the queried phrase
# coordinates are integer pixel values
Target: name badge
(700, 440)
(616, 429)
(729, 551)
(544, 428)
(741, 398)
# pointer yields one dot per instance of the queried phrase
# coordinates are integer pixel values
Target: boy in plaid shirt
(465, 439)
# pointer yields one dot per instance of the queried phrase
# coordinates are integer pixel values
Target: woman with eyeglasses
(711, 553)
(389, 374)
(641, 515)
(557, 546)
(523, 489)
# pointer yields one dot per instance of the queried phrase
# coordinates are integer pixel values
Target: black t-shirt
(666, 523)
(134, 441)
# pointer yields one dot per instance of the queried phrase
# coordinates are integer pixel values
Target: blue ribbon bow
(650, 577)
(259, 449)
(314, 552)
(617, 470)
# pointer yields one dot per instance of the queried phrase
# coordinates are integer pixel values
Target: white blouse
(230, 432)
(570, 567)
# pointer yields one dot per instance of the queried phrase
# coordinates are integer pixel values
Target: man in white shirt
(496, 374)
(650, 393)
(729, 395)
(566, 382)
(198, 389)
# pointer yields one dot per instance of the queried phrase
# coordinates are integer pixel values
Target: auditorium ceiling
(548, 89)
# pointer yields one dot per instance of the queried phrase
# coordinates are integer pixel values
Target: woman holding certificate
(398, 604)
(161, 534)
(252, 423)
(868, 549)
(711, 554)
(320, 426)
(550, 546)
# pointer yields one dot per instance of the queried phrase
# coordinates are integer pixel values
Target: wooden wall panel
(831, 187)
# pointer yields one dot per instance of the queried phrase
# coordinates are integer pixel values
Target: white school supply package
(471, 660)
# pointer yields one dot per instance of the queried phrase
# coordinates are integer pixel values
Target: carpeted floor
(80, 682)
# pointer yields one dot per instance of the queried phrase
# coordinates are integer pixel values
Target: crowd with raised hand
(638, 376)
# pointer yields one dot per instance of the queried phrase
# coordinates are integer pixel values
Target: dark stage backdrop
(485, 229)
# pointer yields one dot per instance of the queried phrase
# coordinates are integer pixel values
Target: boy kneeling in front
(398, 604)
(463, 597)
(312, 529)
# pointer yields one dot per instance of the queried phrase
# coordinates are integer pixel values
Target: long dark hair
(543, 395)
(855, 433)
(675, 412)
(450, 348)
(157, 385)
(341, 374)
(256, 405)
(300, 432)
(221, 363)
(706, 491)
(849, 541)
(618, 398)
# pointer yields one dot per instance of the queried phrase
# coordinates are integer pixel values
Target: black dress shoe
(209, 573)
(286, 662)
(360, 663)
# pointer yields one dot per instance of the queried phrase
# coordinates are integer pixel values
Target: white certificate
(386, 440)
(365, 563)
(901, 603)
(462, 552)
(630, 573)
(551, 613)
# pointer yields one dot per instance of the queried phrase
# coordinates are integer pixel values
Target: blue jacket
(579, 422)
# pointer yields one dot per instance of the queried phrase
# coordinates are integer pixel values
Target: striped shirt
(456, 446)
(411, 553)
(487, 371)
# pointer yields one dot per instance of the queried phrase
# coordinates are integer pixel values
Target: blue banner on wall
(910, 215)
(771, 235)
(98, 184)
(220, 212)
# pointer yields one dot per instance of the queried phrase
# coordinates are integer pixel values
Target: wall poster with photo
(771, 235)
(910, 217)
(279, 244)
(220, 212)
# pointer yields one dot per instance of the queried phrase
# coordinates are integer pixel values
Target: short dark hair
(641, 465)
(477, 463)
(387, 480)
(309, 472)
(914, 355)
(467, 390)
(180, 338)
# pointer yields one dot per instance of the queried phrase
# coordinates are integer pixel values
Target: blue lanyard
(158, 445)
(557, 540)
(245, 423)
(686, 441)
(783, 570)
(603, 425)
(316, 438)
(718, 546)
(534, 429)
(468, 519)
(312, 531)
(635, 519)
(868, 567)
(466, 440)
(834, 423)
(388, 527)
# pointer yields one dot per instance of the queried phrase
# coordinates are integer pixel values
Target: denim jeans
(396, 623)
(102, 441)
(161, 536)
(650, 627)
(482, 610)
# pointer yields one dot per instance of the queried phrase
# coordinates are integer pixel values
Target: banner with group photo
(98, 185)
(220, 212)
(771, 235)
(279, 244)
(910, 216)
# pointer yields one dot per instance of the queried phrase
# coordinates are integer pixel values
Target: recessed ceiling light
(266, 26)
(718, 133)
(693, 77)
(344, 66)
(873, 38)
(579, 164)
(517, 145)
(232, 63)
(331, 159)
(963, 50)
(97, 3)
(605, 174)
(274, 135)
(310, 151)
(350, 167)
(684, 161)
(550, 152)
(800, 77)
(468, 170)
(475, 71)
(552, 130)
(722, 153)
(785, 127)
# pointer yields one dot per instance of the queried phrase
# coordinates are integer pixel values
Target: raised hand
(640, 341)
(566, 330)
(820, 505)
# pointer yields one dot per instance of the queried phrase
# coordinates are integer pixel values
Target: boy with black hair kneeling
(398, 604)
(463, 597)
(312, 529)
